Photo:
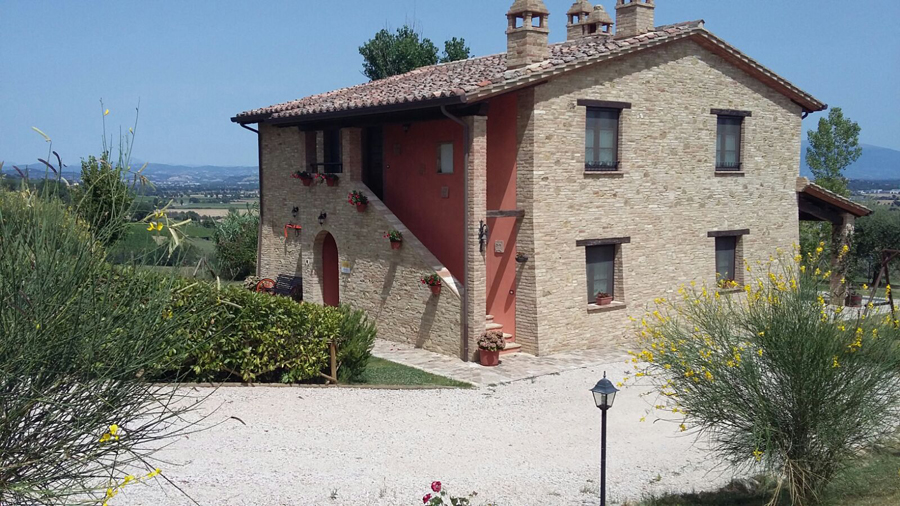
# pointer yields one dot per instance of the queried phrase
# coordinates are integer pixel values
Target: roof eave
(351, 113)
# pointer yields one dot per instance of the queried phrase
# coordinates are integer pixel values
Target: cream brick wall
(383, 282)
(668, 197)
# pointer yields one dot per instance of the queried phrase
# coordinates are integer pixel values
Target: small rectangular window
(601, 271)
(726, 258)
(601, 140)
(445, 158)
(728, 143)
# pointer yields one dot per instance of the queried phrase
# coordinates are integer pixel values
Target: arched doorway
(331, 294)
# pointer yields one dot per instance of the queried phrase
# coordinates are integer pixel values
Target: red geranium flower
(426, 498)
(436, 486)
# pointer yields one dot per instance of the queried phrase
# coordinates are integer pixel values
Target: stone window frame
(618, 271)
(741, 117)
(612, 105)
(738, 236)
(452, 145)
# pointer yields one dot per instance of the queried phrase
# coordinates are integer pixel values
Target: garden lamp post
(604, 395)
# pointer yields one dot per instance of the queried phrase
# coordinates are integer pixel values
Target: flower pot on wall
(331, 182)
(396, 244)
(307, 181)
(489, 358)
(435, 289)
(361, 208)
(604, 300)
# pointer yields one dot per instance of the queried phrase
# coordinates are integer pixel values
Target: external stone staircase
(511, 345)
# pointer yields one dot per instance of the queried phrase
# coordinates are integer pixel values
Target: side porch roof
(818, 204)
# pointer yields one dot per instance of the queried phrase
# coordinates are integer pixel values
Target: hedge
(258, 337)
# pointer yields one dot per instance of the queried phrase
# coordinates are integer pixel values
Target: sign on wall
(345, 267)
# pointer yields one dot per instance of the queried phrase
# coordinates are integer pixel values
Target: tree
(455, 50)
(874, 233)
(390, 54)
(832, 148)
(236, 242)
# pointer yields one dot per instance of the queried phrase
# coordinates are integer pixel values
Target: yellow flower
(151, 227)
(106, 112)
(682, 427)
(757, 455)
(798, 258)
(643, 419)
(835, 364)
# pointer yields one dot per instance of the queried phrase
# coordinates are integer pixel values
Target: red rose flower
(436, 486)
(426, 498)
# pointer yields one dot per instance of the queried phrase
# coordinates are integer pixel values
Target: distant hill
(876, 163)
(162, 174)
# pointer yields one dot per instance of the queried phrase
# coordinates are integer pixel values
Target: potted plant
(433, 281)
(358, 199)
(396, 238)
(490, 345)
(330, 179)
(854, 298)
(304, 176)
(604, 299)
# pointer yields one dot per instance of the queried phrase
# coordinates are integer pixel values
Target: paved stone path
(512, 368)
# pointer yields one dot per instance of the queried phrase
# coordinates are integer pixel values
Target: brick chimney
(527, 35)
(598, 22)
(577, 15)
(634, 17)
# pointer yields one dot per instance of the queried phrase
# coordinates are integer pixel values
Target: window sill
(730, 173)
(728, 291)
(605, 173)
(614, 306)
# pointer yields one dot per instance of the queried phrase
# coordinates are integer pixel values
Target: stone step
(489, 318)
(511, 348)
(509, 337)
(493, 326)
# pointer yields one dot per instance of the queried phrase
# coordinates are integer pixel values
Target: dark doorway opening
(373, 161)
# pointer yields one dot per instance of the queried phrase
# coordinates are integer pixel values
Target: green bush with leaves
(253, 337)
(236, 243)
(356, 339)
(775, 378)
(78, 339)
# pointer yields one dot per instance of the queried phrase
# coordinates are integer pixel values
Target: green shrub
(252, 336)
(775, 378)
(357, 336)
(236, 243)
(77, 339)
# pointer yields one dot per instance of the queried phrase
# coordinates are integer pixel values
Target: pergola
(818, 204)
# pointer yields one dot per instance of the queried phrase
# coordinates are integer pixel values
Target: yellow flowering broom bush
(774, 377)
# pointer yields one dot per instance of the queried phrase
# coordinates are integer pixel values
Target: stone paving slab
(515, 367)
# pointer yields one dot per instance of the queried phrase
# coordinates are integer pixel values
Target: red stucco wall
(413, 188)
(501, 195)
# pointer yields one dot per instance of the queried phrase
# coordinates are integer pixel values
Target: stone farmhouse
(630, 159)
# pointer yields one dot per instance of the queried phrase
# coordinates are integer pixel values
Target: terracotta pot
(396, 244)
(604, 301)
(854, 300)
(306, 181)
(361, 207)
(331, 182)
(489, 358)
(435, 289)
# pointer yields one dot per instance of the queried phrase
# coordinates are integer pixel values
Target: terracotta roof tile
(475, 76)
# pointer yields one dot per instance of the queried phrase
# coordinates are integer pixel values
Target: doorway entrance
(331, 285)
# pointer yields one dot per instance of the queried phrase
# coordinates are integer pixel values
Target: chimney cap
(628, 3)
(580, 7)
(599, 15)
(532, 6)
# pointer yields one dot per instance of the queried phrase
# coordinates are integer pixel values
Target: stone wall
(666, 197)
(383, 282)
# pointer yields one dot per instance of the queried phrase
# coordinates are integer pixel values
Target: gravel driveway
(532, 442)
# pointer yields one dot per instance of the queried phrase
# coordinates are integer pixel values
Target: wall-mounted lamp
(521, 258)
(295, 211)
(483, 232)
(322, 217)
(406, 127)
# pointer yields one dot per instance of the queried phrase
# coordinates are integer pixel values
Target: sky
(192, 65)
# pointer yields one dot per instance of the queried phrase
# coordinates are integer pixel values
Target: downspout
(464, 293)
(259, 231)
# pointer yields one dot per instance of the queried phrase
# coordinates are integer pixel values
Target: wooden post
(333, 349)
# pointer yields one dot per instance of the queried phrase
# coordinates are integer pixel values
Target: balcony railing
(328, 167)
(601, 166)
